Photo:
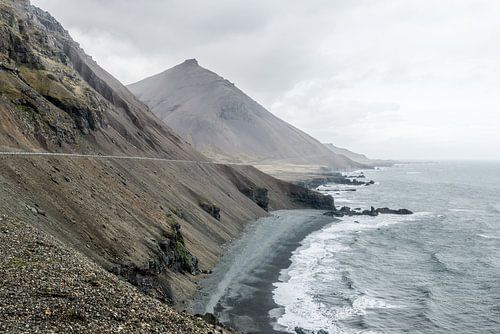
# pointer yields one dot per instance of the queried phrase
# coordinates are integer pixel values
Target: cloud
(385, 77)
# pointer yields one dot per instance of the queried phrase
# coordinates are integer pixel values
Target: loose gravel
(46, 287)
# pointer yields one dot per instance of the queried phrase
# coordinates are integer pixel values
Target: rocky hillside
(46, 287)
(157, 225)
(224, 123)
(55, 97)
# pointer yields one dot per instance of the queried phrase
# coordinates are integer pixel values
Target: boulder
(212, 209)
(393, 211)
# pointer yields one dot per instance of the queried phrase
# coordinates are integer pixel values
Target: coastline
(239, 291)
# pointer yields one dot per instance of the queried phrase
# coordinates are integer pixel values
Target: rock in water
(346, 211)
(394, 212)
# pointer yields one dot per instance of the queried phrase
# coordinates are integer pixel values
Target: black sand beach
(240, 289)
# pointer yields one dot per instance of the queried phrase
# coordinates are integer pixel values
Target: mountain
(360, 158)
(224, 123)
(156, 224)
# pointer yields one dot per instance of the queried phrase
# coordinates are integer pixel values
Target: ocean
(436, 271)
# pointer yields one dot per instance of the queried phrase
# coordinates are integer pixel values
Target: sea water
(437, 271)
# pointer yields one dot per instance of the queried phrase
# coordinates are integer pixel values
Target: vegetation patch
(17, 263)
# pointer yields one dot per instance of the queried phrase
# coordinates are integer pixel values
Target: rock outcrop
(258, 195)
(335, 178)
(212, 209)
(299, 330)
(347, 211)
(172, 254)
(312, 199)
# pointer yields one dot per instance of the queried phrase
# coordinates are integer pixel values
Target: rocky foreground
(46, 287)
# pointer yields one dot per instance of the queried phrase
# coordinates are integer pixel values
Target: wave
(488, 236)
(466, 210)
(315, 269)
(364, 303)
(440, 265)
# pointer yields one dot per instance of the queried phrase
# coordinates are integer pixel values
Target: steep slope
(224, 123)
(156, 224)
(361, 158)
(63, 100)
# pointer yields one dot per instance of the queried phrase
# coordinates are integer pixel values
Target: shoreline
(240, 290)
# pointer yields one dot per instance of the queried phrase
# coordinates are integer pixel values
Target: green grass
(17, 263)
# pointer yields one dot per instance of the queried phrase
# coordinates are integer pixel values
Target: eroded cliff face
(139, 219)
(49, 98)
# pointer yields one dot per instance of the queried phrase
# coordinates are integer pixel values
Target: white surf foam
(313, 264)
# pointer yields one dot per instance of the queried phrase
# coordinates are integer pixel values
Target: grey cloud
(367, 74)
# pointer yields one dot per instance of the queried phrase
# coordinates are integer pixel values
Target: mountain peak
(190, 62)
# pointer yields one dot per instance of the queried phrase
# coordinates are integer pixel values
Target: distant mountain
(224, 123)
(360, 158)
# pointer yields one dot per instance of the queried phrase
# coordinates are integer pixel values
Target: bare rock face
(212, 209)
(258, 195)
(49, 97)
(171, 255)
(224, 123)
(312, 199)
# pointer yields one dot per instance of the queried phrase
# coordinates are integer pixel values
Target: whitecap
(488, 236)
(365, 302)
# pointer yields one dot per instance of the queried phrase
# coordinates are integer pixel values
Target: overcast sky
(389, 78)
